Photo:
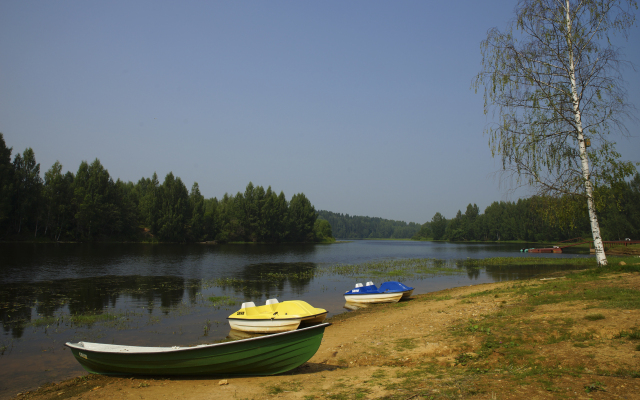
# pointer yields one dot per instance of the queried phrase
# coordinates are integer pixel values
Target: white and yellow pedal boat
(275, 317)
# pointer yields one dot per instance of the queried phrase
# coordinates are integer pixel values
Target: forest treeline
(90, 205)
(544, 219)
(345, 226)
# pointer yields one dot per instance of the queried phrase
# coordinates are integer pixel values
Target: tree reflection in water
(270, 279)
(21, 303)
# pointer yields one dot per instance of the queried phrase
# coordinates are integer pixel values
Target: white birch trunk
(601, 258)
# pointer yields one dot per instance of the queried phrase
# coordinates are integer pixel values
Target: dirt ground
(491, 341)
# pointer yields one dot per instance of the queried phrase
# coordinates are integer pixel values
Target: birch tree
(553, 80)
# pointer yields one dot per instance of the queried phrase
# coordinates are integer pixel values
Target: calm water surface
(160, 295)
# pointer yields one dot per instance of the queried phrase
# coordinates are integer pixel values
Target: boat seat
(369, 283)
(358, 285)
(273, 304)
(248, 304)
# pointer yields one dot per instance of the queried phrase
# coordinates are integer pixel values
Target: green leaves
(91, 206)
(551, 82)
(530, 74)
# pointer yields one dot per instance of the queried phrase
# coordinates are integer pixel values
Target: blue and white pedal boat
(371, 294)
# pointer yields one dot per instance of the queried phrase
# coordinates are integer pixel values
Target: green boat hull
(264, 355)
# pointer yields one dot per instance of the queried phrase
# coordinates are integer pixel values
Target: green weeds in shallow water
(222, 301)
(397, 268)
(108, 319)
(90, 319)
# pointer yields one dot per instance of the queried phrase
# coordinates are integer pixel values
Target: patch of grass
(442, 298)
(409, 373)
(514, 311)
(379, 374)
(614, 265)
(463, 358)
(633, 335)
(473, 326)
(594, 387)
(361, 393)
(611, 297)
(501, 261)
(405, 344)
(620, 372)
(274, 390)
(483, 293)
(511, 337)
(284, 387)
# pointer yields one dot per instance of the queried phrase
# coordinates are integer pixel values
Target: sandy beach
(570, 335)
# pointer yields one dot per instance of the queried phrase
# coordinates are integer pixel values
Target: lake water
(173, 294)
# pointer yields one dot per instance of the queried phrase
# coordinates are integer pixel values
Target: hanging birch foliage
(553, 81)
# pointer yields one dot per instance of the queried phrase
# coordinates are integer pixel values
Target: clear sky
(364, 106)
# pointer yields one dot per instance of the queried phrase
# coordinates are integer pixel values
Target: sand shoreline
(434, 346)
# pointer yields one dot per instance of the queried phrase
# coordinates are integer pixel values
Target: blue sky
(364, 106)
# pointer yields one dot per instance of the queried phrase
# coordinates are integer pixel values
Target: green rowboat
(264, 355)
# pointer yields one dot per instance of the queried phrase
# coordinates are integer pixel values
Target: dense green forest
(543, 219)
(347, 226)
(90, 205)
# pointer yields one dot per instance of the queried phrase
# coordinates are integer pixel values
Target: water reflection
(22, 303)
(235, 334)
(266, 250)
(355, 306)
(270, 279)
(473, 272)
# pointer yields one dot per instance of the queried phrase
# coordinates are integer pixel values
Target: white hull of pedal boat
(265, 326)
(373, 298)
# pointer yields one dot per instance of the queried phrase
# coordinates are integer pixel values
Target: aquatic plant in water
(414, 267)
